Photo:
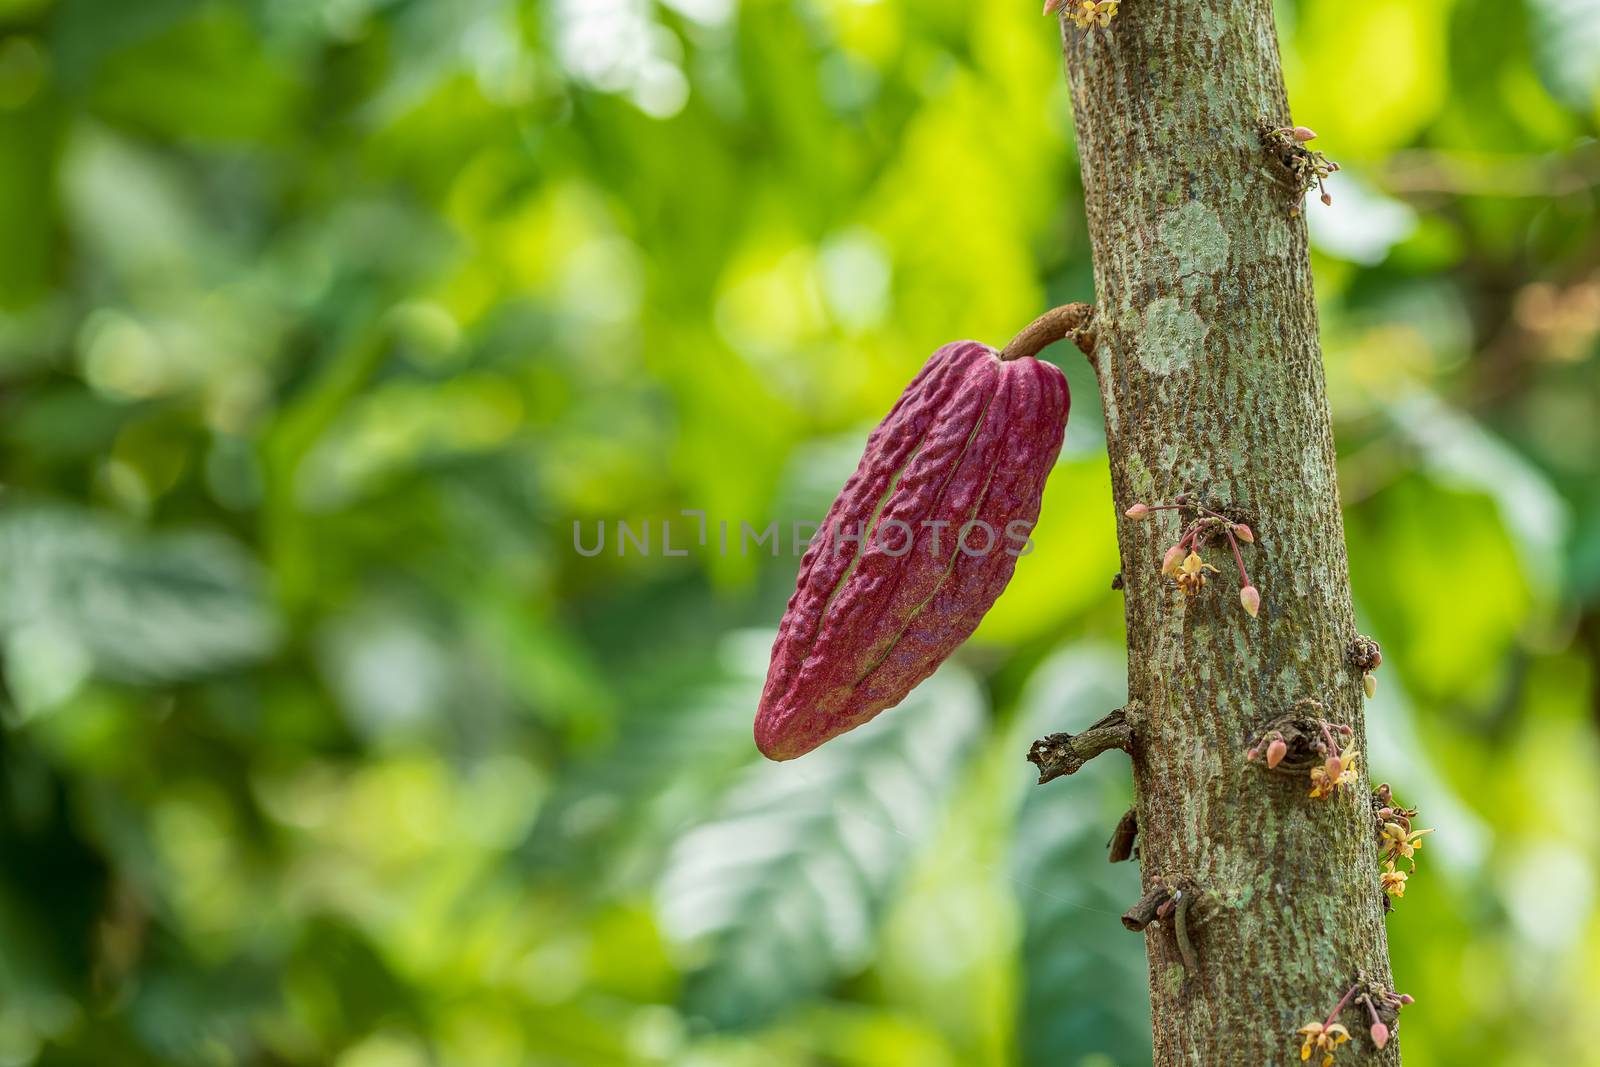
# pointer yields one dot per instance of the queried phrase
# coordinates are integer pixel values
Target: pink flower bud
(1250, 597)
(1243, 533)
(1253, 754)
(1327, 198)
(1333, 767)
(1304, 134)
(1407, 998)
(1051, 6)
(1138, 513)
(1380, 1035)
(1278, 749)
(1170, 562)
(1369, 685)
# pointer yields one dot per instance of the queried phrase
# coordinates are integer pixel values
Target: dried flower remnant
(1385, 808)
(1365, 655)
(1122, 847)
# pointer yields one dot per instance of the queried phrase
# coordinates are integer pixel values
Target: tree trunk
(1212, 381)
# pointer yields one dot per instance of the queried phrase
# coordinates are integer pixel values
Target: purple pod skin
(966, 448)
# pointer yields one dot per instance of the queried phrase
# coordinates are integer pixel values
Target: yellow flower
(1325, 781)
(1323, 1038)
(1393, 881)
(1191, 574)
(1086, 13)
(1396, 842)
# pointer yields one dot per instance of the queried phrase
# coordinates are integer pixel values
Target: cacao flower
(970, 441)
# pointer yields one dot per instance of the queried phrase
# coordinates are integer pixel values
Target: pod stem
(1067, 321)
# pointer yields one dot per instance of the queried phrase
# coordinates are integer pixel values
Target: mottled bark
(1212, 381)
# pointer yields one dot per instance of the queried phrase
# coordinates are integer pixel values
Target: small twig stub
(1064, 753)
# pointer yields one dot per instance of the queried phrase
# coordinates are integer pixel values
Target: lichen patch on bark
(1195, 237)
(1171, 336)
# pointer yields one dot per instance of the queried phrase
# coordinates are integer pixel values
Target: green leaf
(1460, 452)
(1084, 980)
(779, 895)
(612, 815)
(143, 609)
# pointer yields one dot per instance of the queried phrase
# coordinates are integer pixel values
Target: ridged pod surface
(971, 440)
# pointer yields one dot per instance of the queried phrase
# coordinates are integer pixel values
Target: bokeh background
(323, 321)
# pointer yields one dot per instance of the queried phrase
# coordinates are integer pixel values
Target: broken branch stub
(1065, 753)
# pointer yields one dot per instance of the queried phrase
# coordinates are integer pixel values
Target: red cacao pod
(961, 457)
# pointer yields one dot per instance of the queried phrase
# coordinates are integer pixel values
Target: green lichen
(1140, 480)
(1171, 336)
(1195, 237)
(1276, 240)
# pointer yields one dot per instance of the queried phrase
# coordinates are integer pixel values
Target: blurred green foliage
(322, 322)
